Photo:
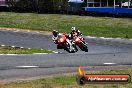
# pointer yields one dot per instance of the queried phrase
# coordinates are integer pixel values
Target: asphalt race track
(103, 53)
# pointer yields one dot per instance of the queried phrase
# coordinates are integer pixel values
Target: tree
(39, 5)
(11, 3)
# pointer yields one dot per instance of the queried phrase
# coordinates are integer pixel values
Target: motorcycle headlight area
(61, 40)
(77, 39)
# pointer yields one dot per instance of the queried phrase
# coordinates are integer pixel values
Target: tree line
(53, 6)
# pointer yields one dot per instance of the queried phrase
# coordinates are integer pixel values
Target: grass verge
(17, 50)
(69, 82)
(92, 26)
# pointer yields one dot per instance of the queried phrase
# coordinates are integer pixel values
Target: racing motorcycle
(63, 43)
(79, 41)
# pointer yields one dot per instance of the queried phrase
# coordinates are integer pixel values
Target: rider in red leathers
(75, 32)
(55, 38)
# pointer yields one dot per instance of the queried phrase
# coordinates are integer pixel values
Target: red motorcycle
(64, 43)
(79, 41)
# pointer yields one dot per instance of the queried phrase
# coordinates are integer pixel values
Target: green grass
(93, 26)
(10, 50)
(68, 81)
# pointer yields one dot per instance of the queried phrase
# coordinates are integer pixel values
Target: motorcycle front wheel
(83, 47)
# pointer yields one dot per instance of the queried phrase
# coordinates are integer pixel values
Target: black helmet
(55, 33)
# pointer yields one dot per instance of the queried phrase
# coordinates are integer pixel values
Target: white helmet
(73, 29)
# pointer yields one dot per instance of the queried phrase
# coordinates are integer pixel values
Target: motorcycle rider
(79, 33)
(67, 36)
(55, 36)
(74, 32)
